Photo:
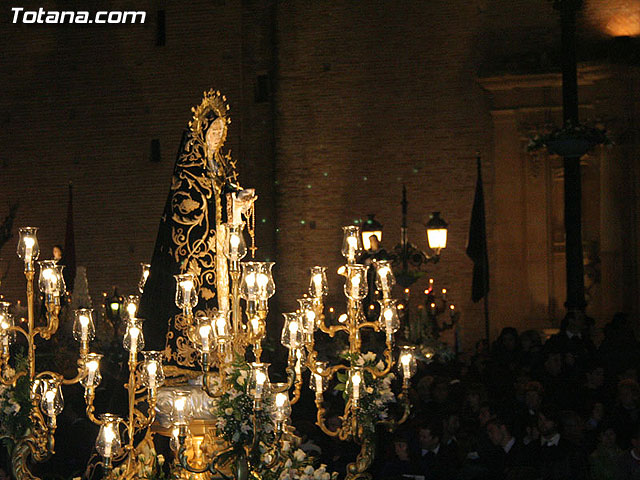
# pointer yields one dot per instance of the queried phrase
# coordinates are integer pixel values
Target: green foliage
(15, 405)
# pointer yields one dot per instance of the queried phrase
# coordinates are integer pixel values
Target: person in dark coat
(437, 461)
(557, 458)
(515, 461)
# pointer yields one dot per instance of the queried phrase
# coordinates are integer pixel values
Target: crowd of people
(526, 409)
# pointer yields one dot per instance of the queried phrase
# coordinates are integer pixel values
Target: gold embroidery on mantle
(201, 173)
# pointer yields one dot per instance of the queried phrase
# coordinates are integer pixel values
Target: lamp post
(405, 255)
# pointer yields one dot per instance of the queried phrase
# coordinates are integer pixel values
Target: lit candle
(388, 319)
(152, 368)
(92, 367)
(293, 330)
(281, 399)
(84, 328)
(355, 286)
(134, 332)
(255, 325)
(28, 249)
(131, 309)
(406, 366)
(452, 310)
(205, 330)
(187, 285)
(234, 243)
(383, 279)
(260, 379)
(355, 382)
(353, 244)
(109, 437)
(50, 396)
(444, 294)
(298, 363)
(433, 308)
(317, 283)
(319, 388)
(221, 326)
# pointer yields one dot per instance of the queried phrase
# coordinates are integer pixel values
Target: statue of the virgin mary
(204, 195)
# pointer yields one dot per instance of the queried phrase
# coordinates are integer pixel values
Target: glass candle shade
(51, 281)
(280, 407)
(145, 269)
(317, 382)
(235, 248)
(291, 336)
(318, 286)
(131, 306)
(355, 285)
(28, 249)
(133, 340)
(152, 371)
(92, 376)
(355, 384)
(407, 365)
(264, 280)
(259, 384)
(389, 320)
(204, 335)
(181, 409)
(385, 279)
(351, 243)
(221, 327)
(7, 336)
(186, 294)
(83, 327)
(108, 443)
(51, 401)
(308, 317)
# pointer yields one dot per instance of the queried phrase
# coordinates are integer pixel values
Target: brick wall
(368, 96)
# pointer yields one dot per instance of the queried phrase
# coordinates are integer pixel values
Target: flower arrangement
(234, 410)
(297, 466)
(15, 405)
(376, 397)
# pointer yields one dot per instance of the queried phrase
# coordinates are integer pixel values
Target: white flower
(228, 411)
(245, 428)
(242, 378)
(308, 470)
(160, 459)
(284, 476)
(369, 357)
(299, 455)
(288, 463)
(380, 365)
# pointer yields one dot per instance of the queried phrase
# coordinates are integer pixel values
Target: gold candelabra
(38, 442)
(144, 379)
(298, 333)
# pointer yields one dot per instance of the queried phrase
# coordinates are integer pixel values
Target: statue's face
(215, 134)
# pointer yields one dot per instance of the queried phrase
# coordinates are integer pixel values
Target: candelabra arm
(388, 355)
(291, 377)
(206, 384)
(327, 373)
(211, 467)
(403, 397)
(20, 330)
(297, 391)
(38, 444)
(89, 395)
(321, 418)
(53, 320)
(333, 329)
(374, 325)
(357, 470)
